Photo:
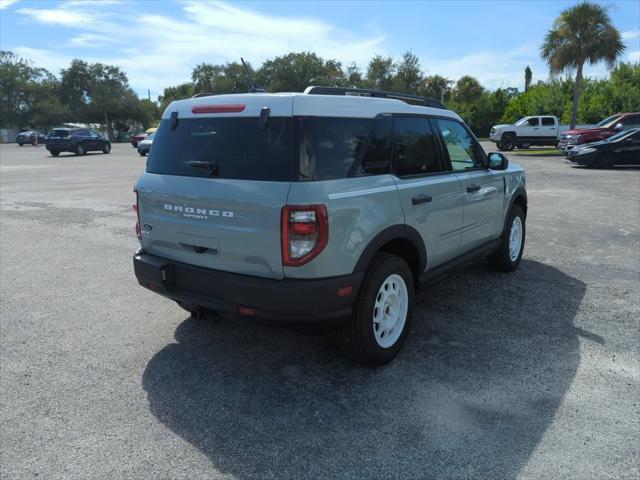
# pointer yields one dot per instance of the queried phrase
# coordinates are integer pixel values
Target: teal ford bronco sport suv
(331, 205)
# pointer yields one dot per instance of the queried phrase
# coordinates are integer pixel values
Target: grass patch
(549, 152)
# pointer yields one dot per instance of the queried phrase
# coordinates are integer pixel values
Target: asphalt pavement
(529, 375)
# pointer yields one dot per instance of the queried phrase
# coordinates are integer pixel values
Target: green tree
(296, 71)
(581, 34)
(408, 76)
(438, 87)
(179, 92)
(380, 73)
(354, 77)
(29, 96)
(527, 78)
(98, 93)
(467, 89)
(229, 78)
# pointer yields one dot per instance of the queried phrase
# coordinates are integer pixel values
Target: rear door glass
(238, 147)
(330, 145)
(415, 150)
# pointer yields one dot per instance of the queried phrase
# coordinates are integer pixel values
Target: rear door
(431, 196)
(215, 186)
(483, 189)
(548, 128)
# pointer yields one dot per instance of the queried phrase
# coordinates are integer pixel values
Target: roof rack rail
(204, 94)
(365, 92)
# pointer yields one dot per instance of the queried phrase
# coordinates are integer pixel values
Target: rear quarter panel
(358, 209)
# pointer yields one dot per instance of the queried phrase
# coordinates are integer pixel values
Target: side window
(464, 151)
(533, 122)
(415, 147)
(631, 122)
(329, 146)
(377, 158)
(83, 132)
(548, 122)
(94, 134)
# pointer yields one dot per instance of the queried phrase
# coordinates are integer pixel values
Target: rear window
(59, 133)
(237, 147)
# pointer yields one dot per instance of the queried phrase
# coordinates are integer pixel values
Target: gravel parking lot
(530, 375)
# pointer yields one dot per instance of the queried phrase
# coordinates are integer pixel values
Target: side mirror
(498, 161)
(619, 127)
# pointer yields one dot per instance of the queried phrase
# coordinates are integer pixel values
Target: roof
(302, 104)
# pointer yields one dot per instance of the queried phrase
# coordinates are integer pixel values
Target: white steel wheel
(390, 310)
(515, 239)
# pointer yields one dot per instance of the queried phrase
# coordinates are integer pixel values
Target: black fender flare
(394, 232)
(518, 192)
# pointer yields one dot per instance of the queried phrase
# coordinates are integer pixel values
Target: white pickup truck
(528, 131)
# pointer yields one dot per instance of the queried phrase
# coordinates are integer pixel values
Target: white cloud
(634, 56)
(157, 50)
(7, 3)
(630, 34)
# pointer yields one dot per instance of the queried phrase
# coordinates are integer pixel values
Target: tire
(106, 148)
(387, 293)
(605, 160)
(508, 142)
(142, 154)
(55, 154)
(20, 144)
(508, 256)
(80, 150)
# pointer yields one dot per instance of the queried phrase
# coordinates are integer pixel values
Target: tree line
(97, 93)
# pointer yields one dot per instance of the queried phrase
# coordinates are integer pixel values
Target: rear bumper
(288, 300)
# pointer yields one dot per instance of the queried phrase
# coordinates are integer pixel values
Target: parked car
(76, 140)
(145, 145)
(620, 149)
(605, 129)
(331, 205)
(138, 137)
(528, 131)
(32, 137)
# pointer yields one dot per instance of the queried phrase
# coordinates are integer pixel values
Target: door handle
(420, 199)
(473, 188)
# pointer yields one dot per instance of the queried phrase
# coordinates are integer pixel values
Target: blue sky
(158, 42)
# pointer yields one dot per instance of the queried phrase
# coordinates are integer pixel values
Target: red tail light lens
(305, 232)
(228, 108)
(135, 209)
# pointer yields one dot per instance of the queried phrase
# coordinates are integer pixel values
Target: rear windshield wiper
(211, 166)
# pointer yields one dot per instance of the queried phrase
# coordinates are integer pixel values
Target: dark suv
(76, 140)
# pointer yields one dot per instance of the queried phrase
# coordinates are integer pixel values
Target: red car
(603, 130)
(137, 138)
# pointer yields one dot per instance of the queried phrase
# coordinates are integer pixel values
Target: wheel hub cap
(390, 310)
(515, 239)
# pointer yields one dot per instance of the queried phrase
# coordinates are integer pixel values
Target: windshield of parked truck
(609, 120)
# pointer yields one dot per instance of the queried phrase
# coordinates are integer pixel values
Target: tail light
(305, 232)
(135, 209)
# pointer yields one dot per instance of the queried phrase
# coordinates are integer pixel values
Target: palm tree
(582, 33)
(527, 78)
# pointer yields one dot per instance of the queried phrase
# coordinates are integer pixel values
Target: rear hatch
(216, 182)
(58, 137)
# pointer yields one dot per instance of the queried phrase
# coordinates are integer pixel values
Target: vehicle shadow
(485, 368)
